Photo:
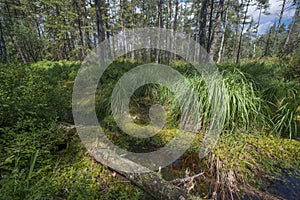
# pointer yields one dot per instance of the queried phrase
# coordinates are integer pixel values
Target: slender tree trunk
(100, 27)
(210, 27)
(241, 34)
(122, 18)
(266, 53)
(278, 26)
(257, 26)
(288, 36)
(223, 39)
(217, 29)
(79, 22)
(172, 43)
(292, 30)
(202, 23)
(168, 25)
(132, 22)
(159, 17)
(14, 41)
(3, 54)
(87, 34)
(176, 15)
(107, 30)
(202, 17)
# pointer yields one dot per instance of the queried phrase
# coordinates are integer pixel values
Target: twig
(184, 180)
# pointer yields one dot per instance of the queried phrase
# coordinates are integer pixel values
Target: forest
(49, 49)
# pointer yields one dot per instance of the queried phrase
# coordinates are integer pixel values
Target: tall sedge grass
(242, 108)
(280, 96)
(258, 98)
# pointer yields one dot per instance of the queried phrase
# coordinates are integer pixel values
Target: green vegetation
(42, 46)
(41, 156)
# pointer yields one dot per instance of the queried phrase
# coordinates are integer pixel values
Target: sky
(266, 20)
(274, 10)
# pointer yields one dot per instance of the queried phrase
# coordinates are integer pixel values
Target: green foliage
(280, 96)
(245, 102)
(107, 83)
(259, 96)
(69, 173)
(262, 154)
(38, 159)
(35, 91)
(292, 70)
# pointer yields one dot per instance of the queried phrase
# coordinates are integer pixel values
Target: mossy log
(151, 182)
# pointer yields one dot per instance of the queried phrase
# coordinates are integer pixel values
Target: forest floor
(42, 156)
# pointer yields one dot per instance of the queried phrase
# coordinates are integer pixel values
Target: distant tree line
(53, 29)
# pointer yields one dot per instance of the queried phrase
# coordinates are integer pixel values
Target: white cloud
(274, 10)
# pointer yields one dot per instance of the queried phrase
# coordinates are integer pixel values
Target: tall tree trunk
(79, 23)
(168, 25)
(278, 26)
(223, 38)
(217, 29)
(210, 27)
(257, 26)
(241, 34)
(293, 32)
(122, 18)
(88, 41)
(100, 27)
(202, 17)
(13, 39)
(202, 22)
(173, 55)
(159, 17)
(266, 53)
(3, 54)
(107, 30)
(133, 22)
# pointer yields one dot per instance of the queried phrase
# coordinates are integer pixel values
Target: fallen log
(151, 182)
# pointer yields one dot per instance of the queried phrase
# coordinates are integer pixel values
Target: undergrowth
(41, 160)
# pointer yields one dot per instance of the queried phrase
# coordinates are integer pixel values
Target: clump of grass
(258, 97)
(243, 104)
(280, 96)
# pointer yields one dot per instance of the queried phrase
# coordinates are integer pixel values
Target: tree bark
(210, 27)
(168, 26)
(223, 39)
(100, 27)
(122, 18)
(266, 53)
(3, 54)
(257, 26)
(14, 41)
(151, 182)
(107, 30)
(217, 29)
(241, 34)
(202, 22)
(79, 23)
(278, 25)
(159, 17)
(293, 34)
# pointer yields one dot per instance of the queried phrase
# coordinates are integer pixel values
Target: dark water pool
(287, 186)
